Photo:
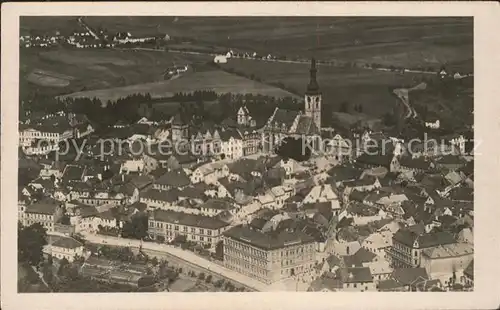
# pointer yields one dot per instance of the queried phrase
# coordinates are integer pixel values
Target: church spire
(313, 87)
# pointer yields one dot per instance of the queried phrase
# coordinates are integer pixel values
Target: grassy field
(452, 103)
(405, 41)
(218, 81)
(64, 71)
(370, 88)
(49, 79)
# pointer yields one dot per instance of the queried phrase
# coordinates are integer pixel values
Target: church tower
(313, 97)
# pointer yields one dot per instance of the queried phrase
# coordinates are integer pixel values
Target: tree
(295, 148)
(208, 279)
(63, 264)
(65, 220)
(388, 119)
(219, 283)
(201, 276)
(180, 239)
(30, 242)
(47, 274)
(344, 107)
(136, 228)
(154, 261)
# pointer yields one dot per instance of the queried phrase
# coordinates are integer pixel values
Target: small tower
(179, 128)
(313, 97)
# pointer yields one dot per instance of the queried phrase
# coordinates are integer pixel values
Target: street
(185, 255)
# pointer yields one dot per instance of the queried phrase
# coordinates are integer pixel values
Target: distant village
(235, 207)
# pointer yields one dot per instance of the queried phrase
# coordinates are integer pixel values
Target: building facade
(267, 257)
(407, 246)
(44, 213)
(166, 225)
(296, 124)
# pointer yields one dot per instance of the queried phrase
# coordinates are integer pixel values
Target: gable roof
(282, 117)
(174, 178)
(357, 259)
(269, 241)
(414, 163)
(46, 206)
(218, 204)
(357, 275)
(409, 276)
(375, 159)
(345, 173)
(193, 220)
(425, 240)
(67, 243)
(462, 194)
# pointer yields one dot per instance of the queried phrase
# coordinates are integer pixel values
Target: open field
(452, 103)
(399, 41)
(49, 79)
(370, 88)
(95, 69)
(218, 81)
(428, 41)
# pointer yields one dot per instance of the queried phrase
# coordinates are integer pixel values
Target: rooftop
(218, 204)
(67, 243)
(174, 178)
(408, 276)
(425, 240)
(46, 206)
(357, 275)
(192, 220)
(268, 241)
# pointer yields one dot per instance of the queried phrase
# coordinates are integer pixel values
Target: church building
(297, 124)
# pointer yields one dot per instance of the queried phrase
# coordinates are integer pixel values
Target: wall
(438, 267)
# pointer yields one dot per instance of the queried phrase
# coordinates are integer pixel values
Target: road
(404, 96)
(331, 63)
(40, 275)
(188, 258)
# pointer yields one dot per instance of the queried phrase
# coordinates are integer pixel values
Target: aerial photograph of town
(245, 154)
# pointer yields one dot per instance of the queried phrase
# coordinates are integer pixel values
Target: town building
(408, 245)
(268, 257)
(442, 261)
(297, 124)
(45, 212)
(66, 247)
(166, 225)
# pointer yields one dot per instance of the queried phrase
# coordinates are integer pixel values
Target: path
(403, 95)
(40, 275)
(84, 25)
(332, 63)
(189, 258)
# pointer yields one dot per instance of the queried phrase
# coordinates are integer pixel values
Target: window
(185, 229)
(193, 230)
